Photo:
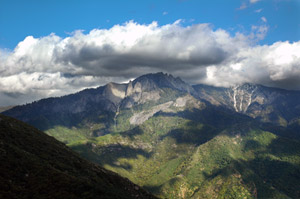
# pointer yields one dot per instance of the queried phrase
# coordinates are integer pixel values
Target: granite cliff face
(149, 88)
(87, 104)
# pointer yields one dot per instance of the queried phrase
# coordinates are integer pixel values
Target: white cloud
(52, 66)
(276, 65)
(264, 19)
(259, 32)
(243, 6)
(165, 13)
(258, 10)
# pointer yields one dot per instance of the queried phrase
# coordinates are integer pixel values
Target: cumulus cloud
(53, 66)
(254, 1)
(275, 65)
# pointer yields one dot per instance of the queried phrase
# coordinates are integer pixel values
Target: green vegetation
(184, 155)
(67, 135)
(34, 165)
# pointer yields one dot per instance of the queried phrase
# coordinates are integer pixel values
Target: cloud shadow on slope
(110, 154)
(270, 172)
(204, 125)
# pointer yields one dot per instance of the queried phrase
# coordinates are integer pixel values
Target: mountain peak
(162, 80)
(246, 86)
(157, 77)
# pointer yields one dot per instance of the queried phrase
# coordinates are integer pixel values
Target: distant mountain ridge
(5, 108)
(271, 105)
(108, 98)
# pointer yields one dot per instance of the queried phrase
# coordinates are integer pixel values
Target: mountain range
(182, 141)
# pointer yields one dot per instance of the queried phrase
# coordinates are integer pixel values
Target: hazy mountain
(35, 165)
(5, 108)
(182, 141)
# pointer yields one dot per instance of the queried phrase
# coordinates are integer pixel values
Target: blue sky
(53, 48)
(19, 18)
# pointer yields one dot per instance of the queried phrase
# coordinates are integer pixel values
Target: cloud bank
(53, 66)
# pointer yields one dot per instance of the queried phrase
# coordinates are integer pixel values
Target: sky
(52, 48)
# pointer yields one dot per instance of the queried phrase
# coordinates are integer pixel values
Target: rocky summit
(182, 141)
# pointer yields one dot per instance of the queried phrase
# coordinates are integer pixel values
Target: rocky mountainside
(269, 105)
(35, 165)
(182, 141)
(88, 104)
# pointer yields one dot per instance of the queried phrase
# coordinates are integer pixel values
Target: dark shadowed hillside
(35, 165)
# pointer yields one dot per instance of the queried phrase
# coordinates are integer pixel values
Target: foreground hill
(34, 165)
(179, 141)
